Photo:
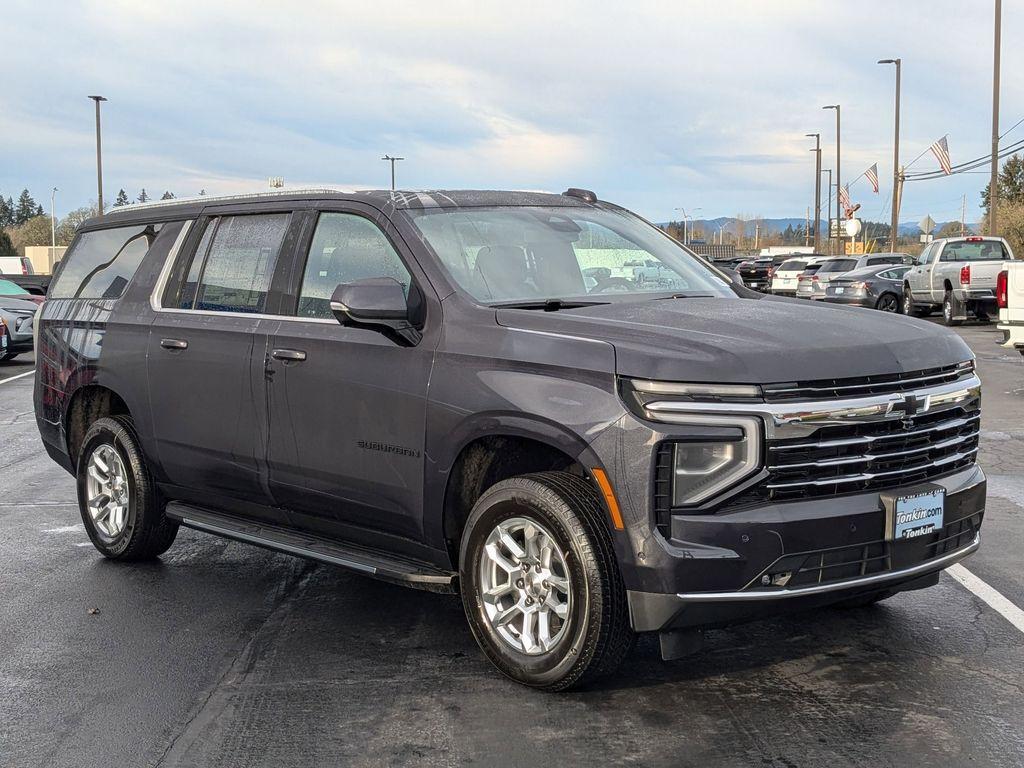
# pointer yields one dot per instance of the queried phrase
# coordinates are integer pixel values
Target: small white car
(784, 277)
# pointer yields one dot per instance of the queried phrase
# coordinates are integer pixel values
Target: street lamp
(53, 225)
(838, 173)
(895, 158)
(993, 184)
(393, 160)
(831, 248)
(817, 186)
(99, 156)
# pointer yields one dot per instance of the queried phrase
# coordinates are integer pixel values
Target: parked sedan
(878, 287)
(18, 317)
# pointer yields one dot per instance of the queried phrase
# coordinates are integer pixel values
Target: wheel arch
(85, 405)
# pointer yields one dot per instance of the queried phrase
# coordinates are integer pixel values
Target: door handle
(173, 343)
(289, 355)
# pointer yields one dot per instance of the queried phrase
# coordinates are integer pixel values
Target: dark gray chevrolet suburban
(540, 401)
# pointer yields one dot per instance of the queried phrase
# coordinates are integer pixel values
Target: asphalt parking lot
(225, 654)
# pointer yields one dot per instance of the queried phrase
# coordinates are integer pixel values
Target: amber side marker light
(609, 496)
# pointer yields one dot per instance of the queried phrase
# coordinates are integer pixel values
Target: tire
(595, 635)
(949, 310)
(910, 307)
(137, 528)
(888, 302)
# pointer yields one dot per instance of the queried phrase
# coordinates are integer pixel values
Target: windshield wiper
(548, 305)
(686, 296)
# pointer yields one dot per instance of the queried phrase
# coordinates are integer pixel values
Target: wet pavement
(226, 654)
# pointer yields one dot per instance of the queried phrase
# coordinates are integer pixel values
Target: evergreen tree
(143, 197)
(1011, 183)
(6, 246)
(6, 213)
(167, 196)
(122, 198)
(25, 209)
(39, 210)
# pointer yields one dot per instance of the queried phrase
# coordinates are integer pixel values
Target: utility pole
(757, 234)
(817, 187)
(53, 225)
(392, 160)
(99, 156)
(993, 184)
(838, 177)
(895, 157)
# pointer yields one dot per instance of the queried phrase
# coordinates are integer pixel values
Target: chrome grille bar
(867, 457)
(868, 439)
(868, 476)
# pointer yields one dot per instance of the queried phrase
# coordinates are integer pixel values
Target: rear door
(205, 363)
(347, 405)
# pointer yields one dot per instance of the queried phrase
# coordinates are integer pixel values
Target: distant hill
(779, 225)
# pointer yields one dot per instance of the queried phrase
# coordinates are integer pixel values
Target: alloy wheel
(107, 491)
(525, 586)
(888, 303)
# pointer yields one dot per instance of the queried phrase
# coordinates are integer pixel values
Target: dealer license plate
(919, 514)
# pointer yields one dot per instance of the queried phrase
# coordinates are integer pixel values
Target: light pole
(895, 158)
(99, 156)
(53, 225)
(817, 186)
(993, 184)
(831, 250)
(839, 180)
(392, 160)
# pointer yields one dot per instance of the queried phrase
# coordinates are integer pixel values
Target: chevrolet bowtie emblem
(910, 406)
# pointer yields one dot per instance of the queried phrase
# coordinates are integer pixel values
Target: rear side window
(884, 260)
(102, 263)
(345, 248)
(234, 263)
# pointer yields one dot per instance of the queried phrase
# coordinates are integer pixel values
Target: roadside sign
(853, 227)
(927, 224)
(927, 238)
(855, 249)
(835, 228)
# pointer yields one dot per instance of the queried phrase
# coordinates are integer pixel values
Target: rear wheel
(888, 302)
(949, 310)
(121, 508)
(540, 583)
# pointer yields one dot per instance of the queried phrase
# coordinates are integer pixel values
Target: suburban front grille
(823, 566)
(832, 389)
(873, 455)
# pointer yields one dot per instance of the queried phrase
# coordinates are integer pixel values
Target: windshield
(984, 250)
(501, 255)
(7, 288)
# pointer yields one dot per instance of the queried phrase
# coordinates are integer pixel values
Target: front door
(205, 364)
(347, 406)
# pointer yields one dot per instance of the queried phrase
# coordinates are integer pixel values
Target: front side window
(234, 263)
(101, 263)
(525, 253)
(345, 248)
(926, 255)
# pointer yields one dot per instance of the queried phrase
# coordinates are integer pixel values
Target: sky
(654, 105)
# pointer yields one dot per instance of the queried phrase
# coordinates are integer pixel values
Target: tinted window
(894, 274)
(838, 265)
(978, 250)
(101, 264)
(345, 248)
(188, 288)
(7, 288)
(238, 268)
(792, 266)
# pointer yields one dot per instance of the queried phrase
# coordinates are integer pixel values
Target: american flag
(941, 151)
(872, 176)
(844, 199)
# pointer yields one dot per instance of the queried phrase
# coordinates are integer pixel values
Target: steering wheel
(617, 284)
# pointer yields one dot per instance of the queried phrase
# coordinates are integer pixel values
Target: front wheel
(121, 508)
(540, 583)
(910, 307)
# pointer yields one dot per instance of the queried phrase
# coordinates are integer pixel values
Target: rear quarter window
(101, 263)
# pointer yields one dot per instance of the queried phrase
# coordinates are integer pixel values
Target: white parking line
(19, 376)
(995, 600)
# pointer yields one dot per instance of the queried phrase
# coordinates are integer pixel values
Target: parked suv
(959, 275)
(18, 316)
(420, 387)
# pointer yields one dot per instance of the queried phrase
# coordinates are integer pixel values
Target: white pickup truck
(957, 274)
(1010, 296)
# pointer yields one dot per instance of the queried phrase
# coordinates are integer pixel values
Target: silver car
(19, 317)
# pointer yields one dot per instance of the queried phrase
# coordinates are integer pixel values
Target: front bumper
(714, 564)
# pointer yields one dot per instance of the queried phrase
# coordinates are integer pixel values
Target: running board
(369, 562)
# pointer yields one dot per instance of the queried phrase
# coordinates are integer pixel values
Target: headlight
(705, 466)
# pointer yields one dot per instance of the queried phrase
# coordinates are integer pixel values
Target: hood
(18, 304)
(751, 341)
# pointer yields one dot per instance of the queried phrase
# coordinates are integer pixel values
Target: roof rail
(219, 198)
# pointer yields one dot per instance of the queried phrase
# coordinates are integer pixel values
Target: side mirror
(376, 302)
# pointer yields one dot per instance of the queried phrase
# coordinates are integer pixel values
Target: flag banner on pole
(844, 199)
(872, 176)
(941, 151)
